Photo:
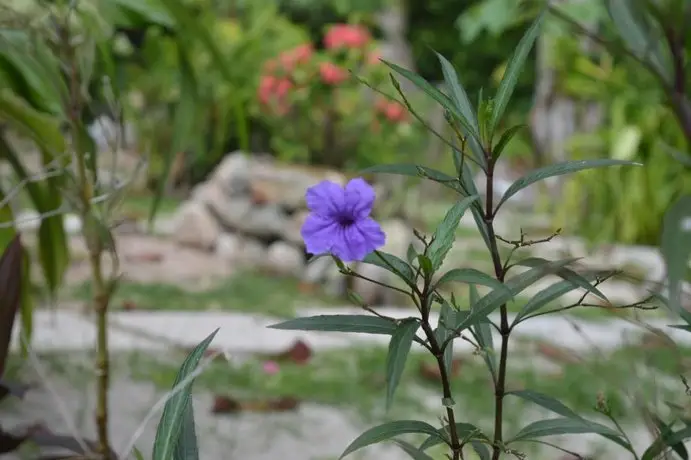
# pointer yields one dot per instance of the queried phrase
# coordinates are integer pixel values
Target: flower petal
(319, 233)
(358, 240)
(359, 198)
(326, 198)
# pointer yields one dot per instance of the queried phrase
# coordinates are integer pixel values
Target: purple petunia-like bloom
(339, 222)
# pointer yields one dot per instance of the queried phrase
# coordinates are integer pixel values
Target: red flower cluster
(391, 110)
(346, 36)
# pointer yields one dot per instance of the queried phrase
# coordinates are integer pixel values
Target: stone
(323, 271)
(196, 227)
(228, 246)
(398, 237)
(285, 185)
(231, 212)
(209, 193)
(285, 259)
(232, 174)
(292, 229)
(264, 222)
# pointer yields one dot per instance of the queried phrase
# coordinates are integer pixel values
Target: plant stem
(504, 328)
(100, 294)
(438, 353)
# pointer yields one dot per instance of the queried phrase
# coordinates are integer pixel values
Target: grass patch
(245, 292)
(354, 378)
(140, 205)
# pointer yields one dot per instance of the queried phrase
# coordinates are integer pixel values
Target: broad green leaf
(546, 296)
(545, 401)
(399, 347)
(405, 169)
(187, 448)
(483, 334)
(558, 169)
(562, 425)
(364, 324)
(668, 439)
(676, 247)
(41, 128)
(471, 276)
(505, 139)
(490, 302)
(169, 431)
(412, 451)
(567, 274)
(513, 70)
(445, 234)
(464, 430)
(458, 95)
(387, 431)
(392, 264)
(629, 17)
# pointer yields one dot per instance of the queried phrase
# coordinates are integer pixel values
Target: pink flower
(346, 36)
(283, 85)
(395, 112)
(331, 74)
(271, 368)
(373, 57)
(267, 85)
(303, 53)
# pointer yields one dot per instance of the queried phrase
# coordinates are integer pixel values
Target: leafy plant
(477, 145)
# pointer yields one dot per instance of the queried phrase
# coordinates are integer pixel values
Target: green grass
(354, 378)
(244, 292)
(140, 205)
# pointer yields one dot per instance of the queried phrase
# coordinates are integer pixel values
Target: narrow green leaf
(565, 273)
(513, 70)
(445, 234)
(559, 426)
(490, 302)
(471, 276)
(41, 128)
(412, 451)
(669, 440)
(187, 448)
(466, 431)
(483, 334)
(411, 254)
(558, 169)
(458, 94)
(399, 347)
(392, 264)
(405, 169)
(365, 324)
(546, 296)
(387, 431)
(481, 450)
(27, 304)
(447, 321)
(170, 427)
(505, 139)
(183, 124)
(545, 401)
(478, 214)
(629, 17)
(676, 248)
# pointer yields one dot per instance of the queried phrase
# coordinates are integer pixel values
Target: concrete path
(245, 333)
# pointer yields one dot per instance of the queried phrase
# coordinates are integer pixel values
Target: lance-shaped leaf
(445, 234)
(388, 431)
(676, 248)
(391, 263)
(559, 426)
(399, 347)
(365, 324)
(565, 273)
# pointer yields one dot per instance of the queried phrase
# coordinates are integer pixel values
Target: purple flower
(339, 221)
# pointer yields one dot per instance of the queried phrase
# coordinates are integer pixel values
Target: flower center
(346, 220)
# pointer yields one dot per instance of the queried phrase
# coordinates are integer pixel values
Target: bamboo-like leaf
(445, 234)
(170, 427)
(364, 324)
(559, 426)
(399, 347)
(388, 431)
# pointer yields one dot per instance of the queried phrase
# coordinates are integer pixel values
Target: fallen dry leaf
(298, 353)
(227, 405)
(129, 305)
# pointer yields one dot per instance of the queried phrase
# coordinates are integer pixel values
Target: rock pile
(250, 211)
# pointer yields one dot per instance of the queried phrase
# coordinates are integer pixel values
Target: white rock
(232, 173)
(228, 246)
(196, 227)
(285, 258)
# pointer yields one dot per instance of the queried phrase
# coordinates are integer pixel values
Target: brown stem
(504, 328)
(100, 294)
